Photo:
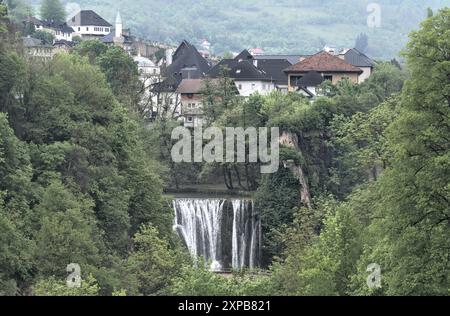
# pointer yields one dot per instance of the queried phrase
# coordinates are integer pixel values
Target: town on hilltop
(175, 78)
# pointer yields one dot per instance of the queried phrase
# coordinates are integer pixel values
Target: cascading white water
(206, 228)
(246, 235)
(199, 224)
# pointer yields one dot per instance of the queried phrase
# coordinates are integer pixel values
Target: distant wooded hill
(277, 26)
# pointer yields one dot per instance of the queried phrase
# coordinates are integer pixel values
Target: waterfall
(199, 224)
(246, 235)
(228, 235)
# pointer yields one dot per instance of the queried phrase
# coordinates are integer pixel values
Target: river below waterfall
(224, 232)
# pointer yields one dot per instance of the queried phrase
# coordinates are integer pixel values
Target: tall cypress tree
(3, 17)
(53, 10)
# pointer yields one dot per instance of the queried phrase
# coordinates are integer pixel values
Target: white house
(61, 31)
(247, 87)
(88, 24)
(249, 74)
(360, 60)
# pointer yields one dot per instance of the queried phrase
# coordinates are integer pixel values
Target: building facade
(328, 66)
(360, 60)
(253, 75)
(88, 24)
(191, 93)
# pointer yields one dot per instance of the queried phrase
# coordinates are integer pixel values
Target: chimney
(329, 50)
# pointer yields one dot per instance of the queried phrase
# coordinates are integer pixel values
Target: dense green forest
(284, 26)
(82, 178)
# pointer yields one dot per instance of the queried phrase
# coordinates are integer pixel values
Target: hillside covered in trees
(82, 178)
(279, 27)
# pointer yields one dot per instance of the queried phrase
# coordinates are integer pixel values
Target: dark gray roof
(292, 59)
(229, 64)
(358, 59)
(110, 38)
(63, 27)
(170, 84)
(58, 26)
(224, 64)
(185, 45)
(240, 71)
(244, 55)
(187, 64)
(246, 71)
(89, 17)
(187, 56)
(252, 69)
(274, 69)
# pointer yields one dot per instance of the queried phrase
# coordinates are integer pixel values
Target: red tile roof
(323, 62)
(195, 86)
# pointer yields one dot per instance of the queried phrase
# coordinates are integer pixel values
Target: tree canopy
(364, 182)
(52, 10)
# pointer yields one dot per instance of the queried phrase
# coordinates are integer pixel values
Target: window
(79, 29)
(190, 119)
(240, 87)
(328, 77)
(264, 86)
(295, 80)
(253, 86)
(87, 28)
(107, 29)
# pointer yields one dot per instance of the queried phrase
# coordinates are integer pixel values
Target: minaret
(118, 38)
(119, 25)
